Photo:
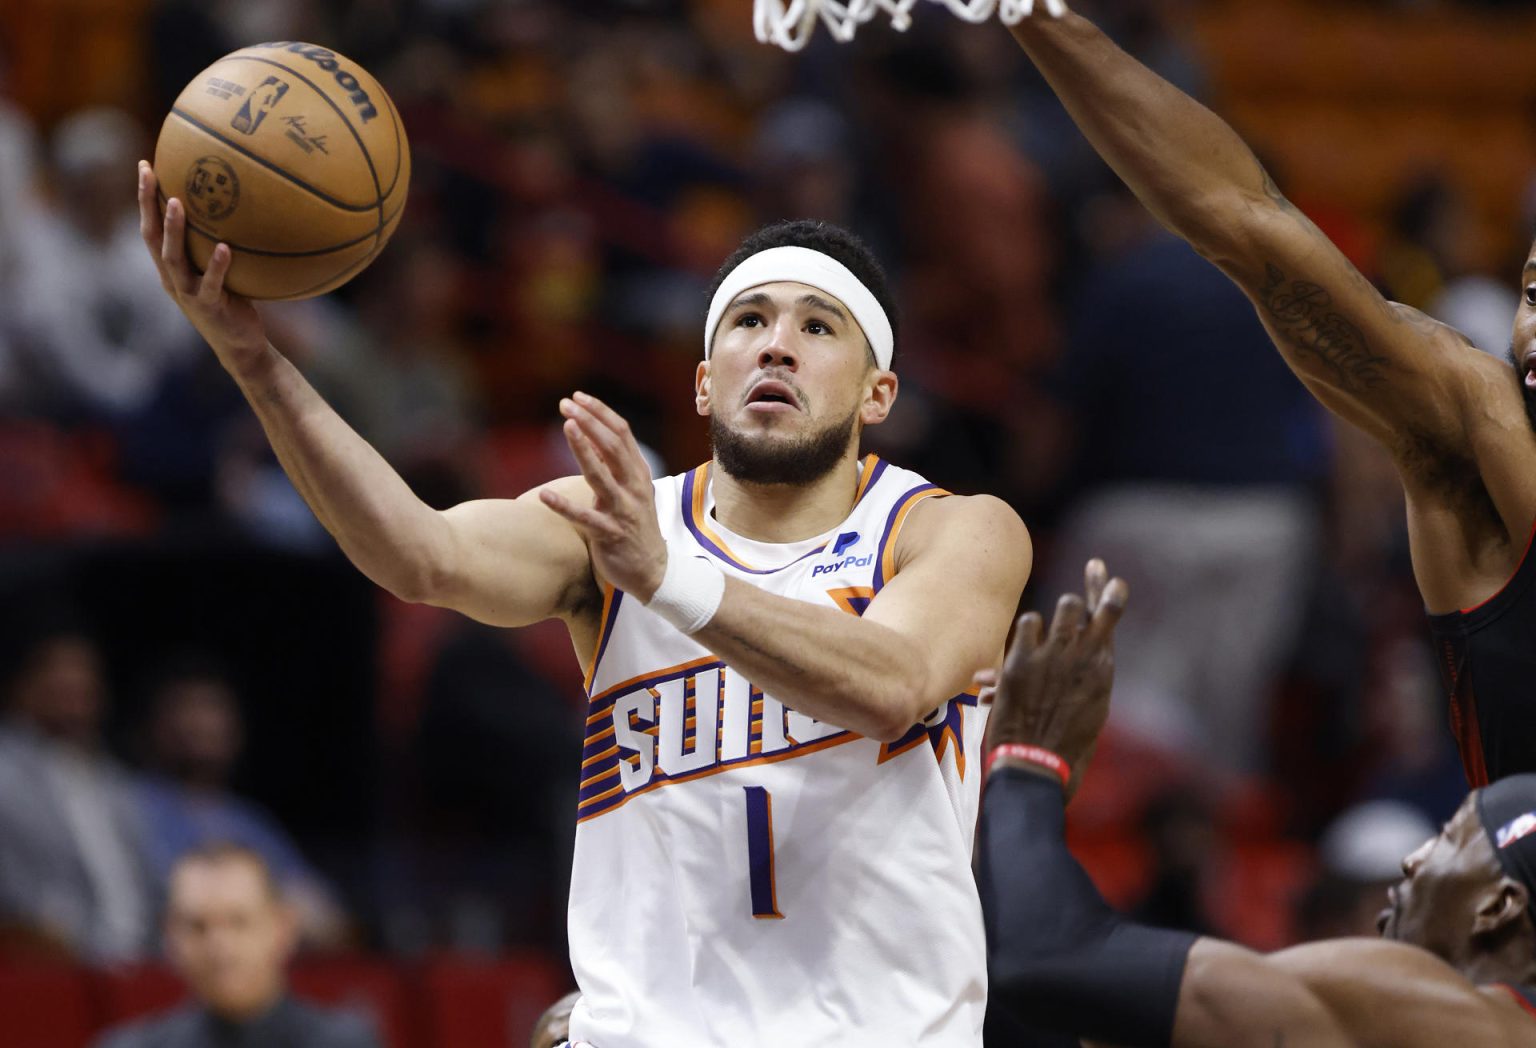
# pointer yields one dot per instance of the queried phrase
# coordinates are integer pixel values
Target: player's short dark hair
(831, 240)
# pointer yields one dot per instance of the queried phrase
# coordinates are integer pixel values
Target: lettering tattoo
(1302, 313)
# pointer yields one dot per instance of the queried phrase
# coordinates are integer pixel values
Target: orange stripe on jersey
(599, 777)
(888, 556)
(605, 621)
(665, 671)
(599, 737)
(609, 752)
(865, 476)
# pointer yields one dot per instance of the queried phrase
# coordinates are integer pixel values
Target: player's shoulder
(981, 525)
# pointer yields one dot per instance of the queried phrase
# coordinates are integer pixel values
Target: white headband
(804, 266)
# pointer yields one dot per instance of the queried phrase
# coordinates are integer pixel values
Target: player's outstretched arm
(1400, 376)
(504, 562)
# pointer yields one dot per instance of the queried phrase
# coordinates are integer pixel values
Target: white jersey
(745, 874)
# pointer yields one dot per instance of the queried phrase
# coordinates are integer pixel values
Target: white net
(790, 23)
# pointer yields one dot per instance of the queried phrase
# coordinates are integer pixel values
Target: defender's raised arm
(1386, 368)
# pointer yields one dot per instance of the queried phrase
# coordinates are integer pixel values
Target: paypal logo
(844, 541)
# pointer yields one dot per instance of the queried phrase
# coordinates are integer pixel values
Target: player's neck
(784, 512)
(1513, 965)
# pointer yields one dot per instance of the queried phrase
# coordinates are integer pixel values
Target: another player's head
(798, 352)
(1522, 349)
(1466, 894)
(228, 931)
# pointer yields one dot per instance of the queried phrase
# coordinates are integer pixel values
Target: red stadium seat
(135, 991)
(489, 1003)
(45, 1006)
(374, 988)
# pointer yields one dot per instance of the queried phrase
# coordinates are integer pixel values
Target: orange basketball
(293, 156)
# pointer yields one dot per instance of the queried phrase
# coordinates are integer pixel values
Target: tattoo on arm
(1303, 314)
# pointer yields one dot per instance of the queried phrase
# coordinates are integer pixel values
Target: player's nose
(1415, 859)
(779, 351)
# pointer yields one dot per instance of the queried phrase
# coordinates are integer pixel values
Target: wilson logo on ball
(260, 102)
(213, 191)
(327, 61)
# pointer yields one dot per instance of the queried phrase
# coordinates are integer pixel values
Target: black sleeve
(1057, 954)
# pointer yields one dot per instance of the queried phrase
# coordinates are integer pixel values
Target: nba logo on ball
(212, 189)
(270, 93)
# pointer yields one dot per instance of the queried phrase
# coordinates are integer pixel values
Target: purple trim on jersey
(689, 487)
(885, 532)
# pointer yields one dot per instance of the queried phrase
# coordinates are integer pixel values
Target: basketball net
(790, 23)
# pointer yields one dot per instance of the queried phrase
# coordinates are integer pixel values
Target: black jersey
(1487, 658)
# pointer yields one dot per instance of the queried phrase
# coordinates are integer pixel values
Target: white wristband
(690, 592)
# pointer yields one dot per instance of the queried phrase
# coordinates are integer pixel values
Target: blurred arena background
(170, 608)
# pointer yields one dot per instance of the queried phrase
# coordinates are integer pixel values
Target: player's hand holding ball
(1053, 689)
(280, 173)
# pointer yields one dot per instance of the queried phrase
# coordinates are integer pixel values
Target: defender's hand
(228, 321)
(1053, 690)
(621, 527)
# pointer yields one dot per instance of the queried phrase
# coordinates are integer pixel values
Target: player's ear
(879, 397)
(1499, 907)
(701, 388)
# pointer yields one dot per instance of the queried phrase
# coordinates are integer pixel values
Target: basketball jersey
(1487, 657)
(745, 874)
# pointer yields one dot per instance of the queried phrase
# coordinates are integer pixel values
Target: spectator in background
(1198, 451)
(91, 322)
(1362, 856)
(554, 1026)
(229, 934)
(73, 874)
(18, 205)
(194, 736)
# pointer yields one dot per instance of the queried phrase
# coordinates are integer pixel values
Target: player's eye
(816, 327)
(1530, 294)
(749, 320)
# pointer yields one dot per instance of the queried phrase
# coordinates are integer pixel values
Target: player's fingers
(616, 423)
(592, 465)
(211, 288)
(173, 247)
(1055, 8)
(1107, 614)
(1070, 616)
(149, 208)
(584, 517)
(602, 438)
(1027, 631)
(619, 426)
(1095, 575)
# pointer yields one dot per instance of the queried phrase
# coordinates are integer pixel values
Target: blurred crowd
(580, 169)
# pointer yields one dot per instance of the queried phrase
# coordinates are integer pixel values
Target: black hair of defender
(831, 240)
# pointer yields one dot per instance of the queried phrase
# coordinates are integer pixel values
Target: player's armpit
(1397, 374)
(513, 562)
(960, 567)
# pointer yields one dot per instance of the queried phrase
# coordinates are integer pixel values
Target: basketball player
(1458, 423)
(1457, 965)
(775, 815)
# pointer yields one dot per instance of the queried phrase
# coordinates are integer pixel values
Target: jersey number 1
(765, 903)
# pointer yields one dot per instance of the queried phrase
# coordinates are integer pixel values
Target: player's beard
(798, 462)
(1527, 394)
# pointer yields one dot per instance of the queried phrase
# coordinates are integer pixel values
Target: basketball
(292, 155)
